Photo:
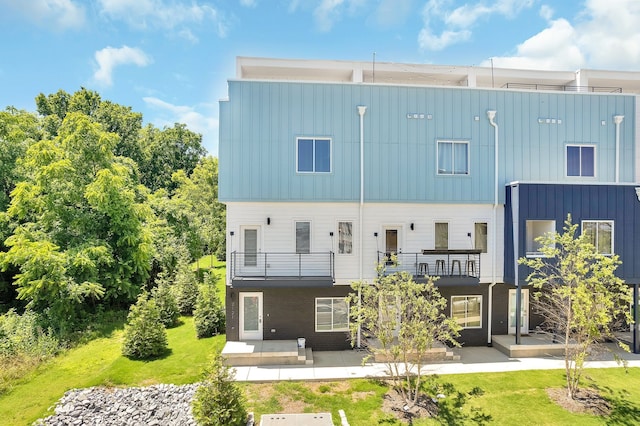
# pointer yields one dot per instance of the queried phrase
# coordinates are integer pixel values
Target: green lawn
(515, 398)
(99, 362)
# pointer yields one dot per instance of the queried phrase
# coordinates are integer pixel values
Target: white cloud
(390, 13)
(327, 12)
(454, 25)
(202, 121)
(58, 14)
(249, 3)
(605, 35)
(111, 57)
(164, 15)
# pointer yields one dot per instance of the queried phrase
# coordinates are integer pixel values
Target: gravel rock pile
(164, 405)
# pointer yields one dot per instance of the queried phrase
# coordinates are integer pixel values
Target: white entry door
(250, 316)
(524, 311)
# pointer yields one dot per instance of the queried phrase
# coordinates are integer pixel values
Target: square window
(442, 235)
(313, 155)
(467, 311)
(453, 158)
(534, 230)
(600, 234)
(332, 314)
(345, 237)
(480, 231)
(581, 160)
(303, 237)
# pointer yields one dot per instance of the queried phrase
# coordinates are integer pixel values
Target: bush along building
(326, 167)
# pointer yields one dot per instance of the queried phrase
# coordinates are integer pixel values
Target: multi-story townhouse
(326, 167)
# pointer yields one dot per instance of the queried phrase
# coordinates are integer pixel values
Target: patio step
(267, 352)
(451, 356)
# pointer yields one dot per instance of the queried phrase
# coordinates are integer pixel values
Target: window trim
(466, 317)
(453, 143)
(598, 221)
(295, 235)
(435, 222)
(475, 234)
(333, 328)
(526, 236)
(566, 160)
(352, 237)
(314, 139)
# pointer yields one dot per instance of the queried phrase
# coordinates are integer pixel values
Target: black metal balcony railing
(282, 265)
(435, 263)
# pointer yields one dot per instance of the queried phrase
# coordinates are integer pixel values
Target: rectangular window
(345, 237)
(600, 234)
(442, 236)
(467, 311)
(581, 160)
(535, 229)
(480, 231)
(332, 314)
(453, 158)
(313, 155)
(303, 237)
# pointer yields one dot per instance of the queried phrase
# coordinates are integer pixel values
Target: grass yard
(515, 398)
(99, 362)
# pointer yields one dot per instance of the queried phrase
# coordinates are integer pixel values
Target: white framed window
(345, 237)
(600, 234)
(480, 236)
(332, 314)
(453, 158)
(303, 237)
(467, 311)
(581, 160)
(313, 155)
(442, 236)
(535, 229)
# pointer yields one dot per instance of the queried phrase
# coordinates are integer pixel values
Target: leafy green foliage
(400, 320)
(186, 288)
(580, 298)
(209, 315)
(219, 401)
(22, 335)
(166, 304)
(144, 335)
(78, 225)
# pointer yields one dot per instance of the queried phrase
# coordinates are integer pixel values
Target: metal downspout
(491, 115)
(361, 111)
(618, 119)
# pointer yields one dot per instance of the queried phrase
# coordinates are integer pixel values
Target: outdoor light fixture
(268, 221)
(411, 226)
(231, 233)
(331, 233)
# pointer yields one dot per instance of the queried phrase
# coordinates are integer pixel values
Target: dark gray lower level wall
(500, 324)
(289, 313)
(470, 336)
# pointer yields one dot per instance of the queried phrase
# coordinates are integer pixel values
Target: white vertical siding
(279, 235)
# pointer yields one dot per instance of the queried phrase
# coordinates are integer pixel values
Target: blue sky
(170, 59)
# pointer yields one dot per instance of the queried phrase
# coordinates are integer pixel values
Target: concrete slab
(308, 419)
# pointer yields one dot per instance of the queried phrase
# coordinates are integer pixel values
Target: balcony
(453, 267)
(315, 269)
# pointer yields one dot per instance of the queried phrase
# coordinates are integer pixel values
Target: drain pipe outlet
(491, 115)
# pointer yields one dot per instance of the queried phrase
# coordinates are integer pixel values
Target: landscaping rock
(165, 405)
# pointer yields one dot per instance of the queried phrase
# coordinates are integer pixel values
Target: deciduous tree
(401, 320)
(580, 296)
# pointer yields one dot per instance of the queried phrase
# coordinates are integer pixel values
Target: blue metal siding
(260, 123)
(584, 202)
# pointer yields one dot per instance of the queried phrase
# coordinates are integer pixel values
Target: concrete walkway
(348, 365)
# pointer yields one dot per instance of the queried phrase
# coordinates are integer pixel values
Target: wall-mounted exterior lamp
(268, 221)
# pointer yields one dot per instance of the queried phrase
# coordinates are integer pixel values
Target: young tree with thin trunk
(400, 321)
(580, 296)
